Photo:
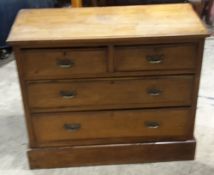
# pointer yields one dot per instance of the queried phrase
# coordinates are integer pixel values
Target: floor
(13, 142)
(5, 61)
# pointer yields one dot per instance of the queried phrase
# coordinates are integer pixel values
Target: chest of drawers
(109, 85)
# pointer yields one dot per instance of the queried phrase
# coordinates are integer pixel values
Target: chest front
(109, 85)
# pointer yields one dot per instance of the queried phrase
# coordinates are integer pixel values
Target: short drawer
(62, 63)
(111, 125)
(155, 57)
(111, 93)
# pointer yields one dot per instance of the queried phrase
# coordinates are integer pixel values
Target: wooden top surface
(106, 23)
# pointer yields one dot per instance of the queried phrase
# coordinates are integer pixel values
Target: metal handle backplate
(65, 63)
(72, 127)
(68, 94)
(155, 59)
(152, 124)
(154, 92)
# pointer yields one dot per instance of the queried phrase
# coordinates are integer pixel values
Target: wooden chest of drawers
(109, 85)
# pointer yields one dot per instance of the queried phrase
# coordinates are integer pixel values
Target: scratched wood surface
(106, 23)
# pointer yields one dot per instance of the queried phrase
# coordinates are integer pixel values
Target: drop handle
(72, 127)
(154, 92)
(68, 94)
(65, 63)
(155, 59)
(152, 124)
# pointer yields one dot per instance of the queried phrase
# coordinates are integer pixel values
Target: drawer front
(52, 63)
(140, 58)
(147, 124)
(112, 93)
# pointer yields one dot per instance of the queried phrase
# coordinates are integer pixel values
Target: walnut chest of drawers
(109, 85)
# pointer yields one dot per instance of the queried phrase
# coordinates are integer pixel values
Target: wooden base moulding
(111, 154)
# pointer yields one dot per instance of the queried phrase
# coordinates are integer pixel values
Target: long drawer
(111, 93)
(71, 128)
(155, 57)
(53, 63)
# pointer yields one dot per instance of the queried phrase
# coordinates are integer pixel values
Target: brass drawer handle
(65, 63)
(72, 127)
(152, 124)
(154, 92)
(68, 94)
(155, 59)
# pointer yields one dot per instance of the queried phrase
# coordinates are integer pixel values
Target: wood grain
(112, 154)
(110, 87)
(171, 57)
(27, 114)
(108, 125)
(95, 94)
(46, 62)
(106, 23)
